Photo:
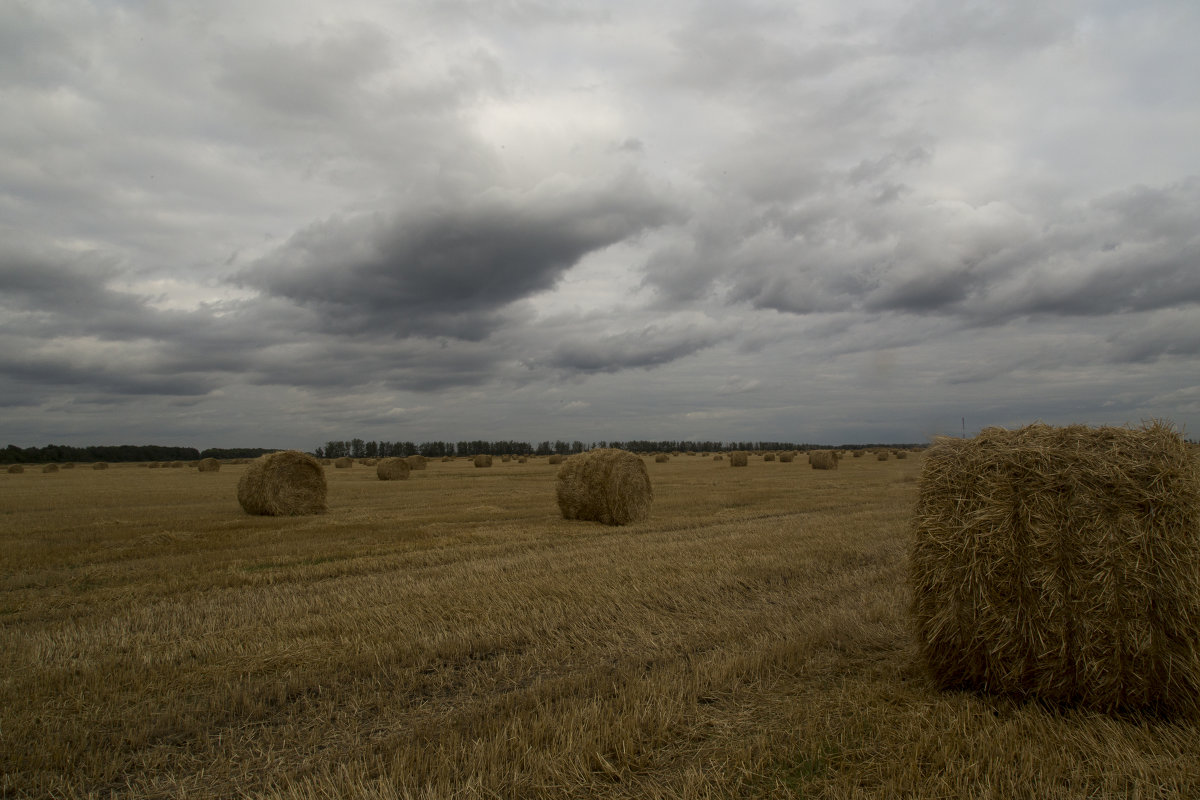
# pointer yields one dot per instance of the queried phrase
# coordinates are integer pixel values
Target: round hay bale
(15, 469)
(153, 465)
(326, 462)
(345, 462)
(416, 461)
(901, 454)
(69, 465)
(718, 457)
(50, 468)
(446, 458)
(738, 459)
(176, 465)
(209, 465)
(505, 458)
(823, 459)
(605, 485)
(555, 459)
(857, 454)
(1061, 564)
(100, 465)
(284, 484)
(393, 469)
(483, 460)
(768, 457)
(661, 458)
(787, 458)
(882, 457)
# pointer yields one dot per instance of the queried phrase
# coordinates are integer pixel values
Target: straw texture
(605, 485)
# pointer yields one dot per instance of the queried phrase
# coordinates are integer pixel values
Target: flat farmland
(451, 636)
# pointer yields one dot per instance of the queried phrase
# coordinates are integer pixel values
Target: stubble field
(451, 636)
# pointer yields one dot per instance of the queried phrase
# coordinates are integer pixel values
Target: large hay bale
(416, 461)
(284, 484)
(555, 459)
(738, 459)
(823, 459)
(345, 462)
(50, 468)
(209, 465)
(393, 469)
(483, 460)
(606, 485)
(100, 465)
(15, 469)
(661, 458)
(1062, 564)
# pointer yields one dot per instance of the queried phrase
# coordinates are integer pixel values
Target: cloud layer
(267, 224)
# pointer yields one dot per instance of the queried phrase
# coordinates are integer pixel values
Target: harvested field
(749, 640)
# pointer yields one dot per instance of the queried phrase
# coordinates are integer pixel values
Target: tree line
(359, 448)
(61, 453)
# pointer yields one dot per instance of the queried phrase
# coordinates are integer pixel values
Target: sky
(250, 223)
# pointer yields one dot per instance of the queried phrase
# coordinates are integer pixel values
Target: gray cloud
(450, 271)
(649, 347)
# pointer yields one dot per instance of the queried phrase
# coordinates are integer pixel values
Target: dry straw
(901, 454)
(823, 459)
(416, 461)
(787, 458)
(176, 465)
(718, 457)
(284, 484)
(15, 469)
(483, 460)
(882, 457)
(606, 485)
(345, 462)
(393, 469)
(153, 465)
(69, 465)
(100, 465)
(738, 459)
(209, 465)
(857, 454)
(556, 459)
(50, 468)
(1062, 564)
(661, 458)
(769, 457)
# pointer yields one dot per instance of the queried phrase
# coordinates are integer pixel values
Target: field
(451, 636)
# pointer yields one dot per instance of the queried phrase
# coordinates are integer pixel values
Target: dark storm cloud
(450, 271)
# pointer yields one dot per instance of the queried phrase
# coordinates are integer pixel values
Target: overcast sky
(259, 223)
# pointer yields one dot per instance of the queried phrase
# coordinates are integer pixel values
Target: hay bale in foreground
(100, 465)
(15, 469)
(393, 469)
(605, 485)
(345, 462)
(284, 484)
(738, 459)
(823, 459)
(50, 468)
(483, 460)
(209, 465)
(416, 461)
(1062, 564)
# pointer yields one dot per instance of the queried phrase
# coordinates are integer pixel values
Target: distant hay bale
(661, 458)
(325, 462)
(100, 465)
(209, 465)
(555, 459)
(393, 469)
(416, 461)
(787, 458)
(15, 469)
(1061, 564)
(446, 458)
(605, 485)
(483, 460)
(718, 457)
(69, 465)
(283, 484)
(901, 454)
(823, 459)
(857, 454)
(521, 460)
(738, 459)
(768, 457)
(176, 465)
(882, 456)
(367, 462)
(50, 468)
(345, 462)
(505, 458)
(153, 465)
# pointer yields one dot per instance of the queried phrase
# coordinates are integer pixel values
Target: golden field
(451, 636)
